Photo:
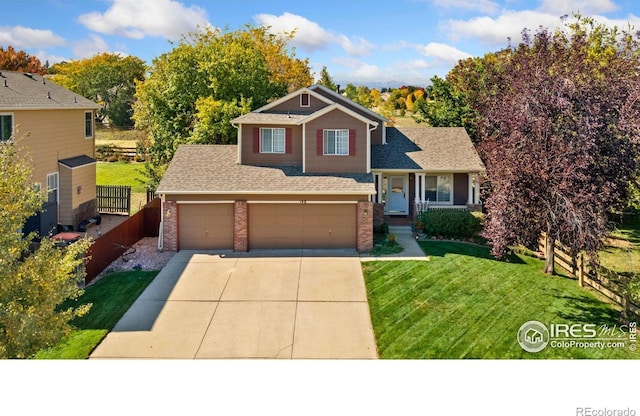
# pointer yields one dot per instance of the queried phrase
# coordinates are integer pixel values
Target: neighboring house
(55, 128)
(311, 170)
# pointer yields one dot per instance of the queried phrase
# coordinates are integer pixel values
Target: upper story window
(88, 124)
(6, 126)
(438, 188)
(304, 100)
(336, 142)
(272, 140)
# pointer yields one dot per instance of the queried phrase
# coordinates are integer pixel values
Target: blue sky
(359, 41)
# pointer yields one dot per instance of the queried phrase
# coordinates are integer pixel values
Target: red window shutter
(256, 140)
(320, 142)
(288, 141)
(352, 142)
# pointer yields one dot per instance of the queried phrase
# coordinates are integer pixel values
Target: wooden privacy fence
(113, 199)
(111, 245)
(605, 281)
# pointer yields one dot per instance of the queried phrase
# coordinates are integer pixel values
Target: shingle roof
(209, 169)
(74, 162)
(21, 91)
(269, 118)
(436, 149)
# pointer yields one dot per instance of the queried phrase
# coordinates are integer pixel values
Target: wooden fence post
(581, 270)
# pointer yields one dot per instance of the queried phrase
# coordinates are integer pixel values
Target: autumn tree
(33, 283)
(209, 78)
(443, 105)
(559, 136)
(106, 78)
(20, 61)
(326, 79)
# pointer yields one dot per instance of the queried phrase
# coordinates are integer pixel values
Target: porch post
(423, 185)
(416, 180)
(476, 194)
(379, 188)
(470, 189)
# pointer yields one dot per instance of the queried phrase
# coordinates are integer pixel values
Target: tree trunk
(549, 255)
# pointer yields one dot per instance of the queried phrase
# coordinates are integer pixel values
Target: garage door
(205, 227)
(302, 226)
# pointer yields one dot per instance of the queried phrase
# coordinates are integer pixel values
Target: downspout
(239, 141)
(160, 231)
(371, 128)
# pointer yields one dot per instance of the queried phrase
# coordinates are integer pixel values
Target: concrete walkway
(404, 235)
(270, 304)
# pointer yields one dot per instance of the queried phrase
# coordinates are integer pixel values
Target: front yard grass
(111, 296)
(465, 304)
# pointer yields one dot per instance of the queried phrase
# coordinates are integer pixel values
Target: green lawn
(110, 297)
(622, 249)
(121, 173)
(464, 304)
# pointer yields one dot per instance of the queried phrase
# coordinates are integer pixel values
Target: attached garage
(280, 225)
(205, 226)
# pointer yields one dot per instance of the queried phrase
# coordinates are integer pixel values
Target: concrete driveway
(263, 304)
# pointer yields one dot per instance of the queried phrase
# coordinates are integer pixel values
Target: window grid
(272, 140)
(336, 142)
(88, 124)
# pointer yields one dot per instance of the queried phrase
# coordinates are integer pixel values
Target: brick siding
(170, 226)
(240, 226)
(365, 226)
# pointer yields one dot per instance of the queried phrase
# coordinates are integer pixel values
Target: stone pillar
(365, 226)
(169, 226)
(240, 226)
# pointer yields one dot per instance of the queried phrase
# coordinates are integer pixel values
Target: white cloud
(89, 47)
(136, 19)
(484, 6)
(585, 7)
(358, 48)
(310, 36)
(21, 37)
(495, 32)
(442, 52)
(44, 57)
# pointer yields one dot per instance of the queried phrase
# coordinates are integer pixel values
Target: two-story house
(55, 128)
(311, 170)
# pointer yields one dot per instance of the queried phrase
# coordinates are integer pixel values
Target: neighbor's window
(271, 140)
(6, 126)
(336, 142)
(88, 124)
(52, 187)
(438, 188)
(304, 100)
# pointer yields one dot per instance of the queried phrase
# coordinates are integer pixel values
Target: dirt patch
(144, 255)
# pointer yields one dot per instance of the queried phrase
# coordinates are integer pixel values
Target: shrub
(451, 223)
(382, 229)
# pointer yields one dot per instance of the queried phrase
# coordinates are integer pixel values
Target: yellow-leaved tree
(34, 278)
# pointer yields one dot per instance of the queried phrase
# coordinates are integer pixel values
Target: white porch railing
(426, 206)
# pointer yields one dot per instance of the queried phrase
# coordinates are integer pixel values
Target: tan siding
(291, 159)
(267, 197)
(65, 209)
(293, 105)
(336, 119)
(85, 177)
(52, 135)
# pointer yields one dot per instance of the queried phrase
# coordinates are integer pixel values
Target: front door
(397, 203)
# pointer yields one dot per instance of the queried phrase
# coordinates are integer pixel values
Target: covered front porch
(404, 194)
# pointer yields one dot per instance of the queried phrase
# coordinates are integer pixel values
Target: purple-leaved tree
(559, 134)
